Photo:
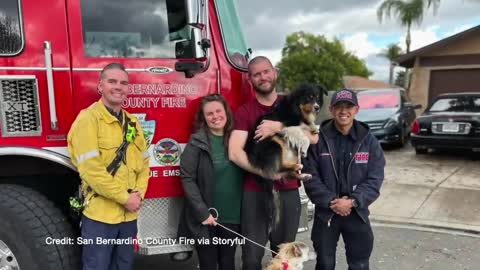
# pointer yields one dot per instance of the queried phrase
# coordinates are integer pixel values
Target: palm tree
(408, 11)
(392, 52)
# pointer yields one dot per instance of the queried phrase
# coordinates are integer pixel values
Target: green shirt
(227, 198)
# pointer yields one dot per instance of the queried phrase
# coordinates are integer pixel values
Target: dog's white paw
(296, 138)
(315, 129)
(305, 177)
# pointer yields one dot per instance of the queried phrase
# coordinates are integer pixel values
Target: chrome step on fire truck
(51, 52)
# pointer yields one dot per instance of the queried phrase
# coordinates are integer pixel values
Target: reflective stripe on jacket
(92, 143)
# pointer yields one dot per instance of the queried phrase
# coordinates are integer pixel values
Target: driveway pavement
(438, 190)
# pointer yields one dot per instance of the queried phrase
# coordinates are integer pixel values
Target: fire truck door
(35, 86)
(146, 36)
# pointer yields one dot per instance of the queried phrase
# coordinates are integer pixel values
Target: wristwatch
(354, 202)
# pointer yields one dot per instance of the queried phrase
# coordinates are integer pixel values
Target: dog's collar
(285, 265)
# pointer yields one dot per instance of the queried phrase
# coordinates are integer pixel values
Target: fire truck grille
(20, 115)
(158, 225)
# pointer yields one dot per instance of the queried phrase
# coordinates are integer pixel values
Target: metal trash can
(303, 224)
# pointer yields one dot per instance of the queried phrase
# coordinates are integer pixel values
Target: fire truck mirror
(184, 49)
(195, 11)
(197, 21)
(190, 68)
(196, 49)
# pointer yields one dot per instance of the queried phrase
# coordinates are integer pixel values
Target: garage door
(453, 81)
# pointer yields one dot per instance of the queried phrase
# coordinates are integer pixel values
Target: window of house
(11, 41)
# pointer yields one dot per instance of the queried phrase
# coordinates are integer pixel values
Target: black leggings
(256, 221)
(223, 255)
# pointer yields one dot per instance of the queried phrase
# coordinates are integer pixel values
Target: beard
(265, 91)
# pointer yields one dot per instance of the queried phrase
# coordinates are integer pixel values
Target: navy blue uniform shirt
(343, 149)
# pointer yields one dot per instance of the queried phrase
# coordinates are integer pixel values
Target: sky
(267, 23)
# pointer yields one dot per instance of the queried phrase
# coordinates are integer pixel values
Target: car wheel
(421, 151)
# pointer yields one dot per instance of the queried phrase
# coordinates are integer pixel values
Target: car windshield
(378, 100)
(456, 104)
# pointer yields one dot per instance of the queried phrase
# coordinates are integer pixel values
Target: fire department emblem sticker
(148, 127)
(167, 152)
(361, 157)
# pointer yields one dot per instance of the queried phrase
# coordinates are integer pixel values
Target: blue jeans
(107, 256)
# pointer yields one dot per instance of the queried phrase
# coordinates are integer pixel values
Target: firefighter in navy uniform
(347, 166)
(108, 147)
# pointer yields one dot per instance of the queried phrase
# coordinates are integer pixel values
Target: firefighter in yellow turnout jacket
(93, 141)
(113, 191)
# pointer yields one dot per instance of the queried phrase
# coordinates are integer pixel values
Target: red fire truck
(51, 52)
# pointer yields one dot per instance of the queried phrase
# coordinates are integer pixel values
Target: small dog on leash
(291, 256)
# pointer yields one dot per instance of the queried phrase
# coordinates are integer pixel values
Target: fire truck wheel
(29, 224)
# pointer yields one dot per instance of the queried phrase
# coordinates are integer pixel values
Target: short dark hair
(112, 66)
(201, 123)
(257, 60)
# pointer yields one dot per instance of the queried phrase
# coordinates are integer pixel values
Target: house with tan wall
(449, 65)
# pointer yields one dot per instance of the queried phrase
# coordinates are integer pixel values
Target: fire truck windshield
(234, 40)
(139, 29)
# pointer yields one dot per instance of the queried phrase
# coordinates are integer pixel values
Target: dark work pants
(107, 257)
(209, 256)
(257, 220)
(357, 236)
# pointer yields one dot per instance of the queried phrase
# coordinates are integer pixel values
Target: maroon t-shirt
(246, 118)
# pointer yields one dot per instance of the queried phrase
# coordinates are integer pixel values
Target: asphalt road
(395, 249)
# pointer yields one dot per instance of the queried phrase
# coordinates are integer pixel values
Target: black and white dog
(282, 152)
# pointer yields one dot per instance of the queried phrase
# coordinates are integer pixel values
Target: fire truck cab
(51, 52)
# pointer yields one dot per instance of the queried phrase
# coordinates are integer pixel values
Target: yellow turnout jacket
(92, 143)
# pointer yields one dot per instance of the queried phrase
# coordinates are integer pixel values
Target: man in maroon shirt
(256, 215)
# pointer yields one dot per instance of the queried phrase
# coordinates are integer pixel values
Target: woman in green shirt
(210, 180)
